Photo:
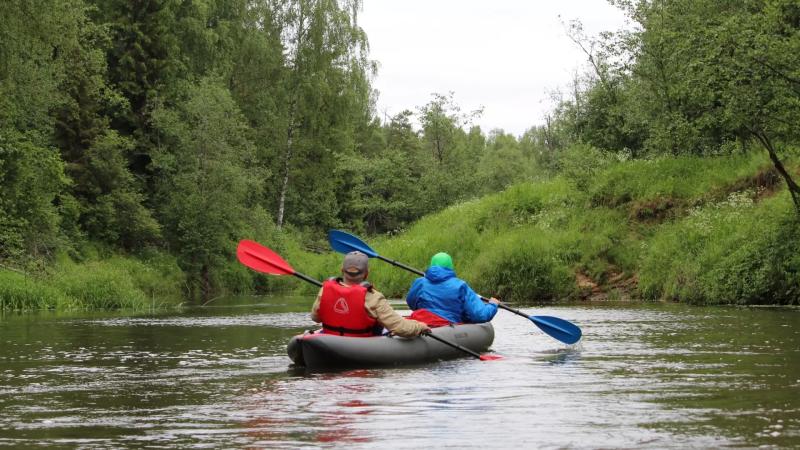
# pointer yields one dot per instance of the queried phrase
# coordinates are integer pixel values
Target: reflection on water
(277, 416)
(652, 376)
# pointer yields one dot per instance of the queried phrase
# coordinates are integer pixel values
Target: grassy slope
(702, 230)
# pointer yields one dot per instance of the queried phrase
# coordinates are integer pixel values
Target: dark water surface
(653, 376)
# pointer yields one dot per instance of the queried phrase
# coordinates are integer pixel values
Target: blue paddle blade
(345, 243)
(559, 329)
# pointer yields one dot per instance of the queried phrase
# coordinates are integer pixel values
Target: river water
(644, 376)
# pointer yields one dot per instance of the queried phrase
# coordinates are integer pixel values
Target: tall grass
(24, 293)
(113, 283)
(100, 285)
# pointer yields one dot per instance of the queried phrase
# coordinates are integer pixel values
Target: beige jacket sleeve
(315, 307)
(379, 308)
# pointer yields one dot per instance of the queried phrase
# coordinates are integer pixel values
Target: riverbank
(719, 230)
(111, 282)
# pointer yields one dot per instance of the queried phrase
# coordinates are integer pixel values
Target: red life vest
(341, 310)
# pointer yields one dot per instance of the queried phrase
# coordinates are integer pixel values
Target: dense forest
(139, 141)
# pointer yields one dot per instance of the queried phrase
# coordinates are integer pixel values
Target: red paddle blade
(488, 357)
(260, 258)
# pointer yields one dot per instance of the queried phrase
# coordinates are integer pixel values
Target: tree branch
(794, 189)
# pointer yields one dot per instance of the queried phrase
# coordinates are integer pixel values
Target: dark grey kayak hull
(328, 351)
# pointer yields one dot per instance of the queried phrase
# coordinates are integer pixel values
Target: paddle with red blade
(559, 329)
(262, 259)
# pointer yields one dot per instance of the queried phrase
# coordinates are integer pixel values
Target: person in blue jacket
(440, 298)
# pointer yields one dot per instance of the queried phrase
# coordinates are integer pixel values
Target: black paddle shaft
(508, 308)
(452, 344)
(401, 265)
(307, 278)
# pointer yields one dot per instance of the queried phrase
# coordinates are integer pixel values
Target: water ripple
(659, 376)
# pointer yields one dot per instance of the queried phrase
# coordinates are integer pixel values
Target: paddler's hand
(494, 301)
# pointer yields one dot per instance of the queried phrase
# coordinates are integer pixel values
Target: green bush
(581, 162)
(757, 263)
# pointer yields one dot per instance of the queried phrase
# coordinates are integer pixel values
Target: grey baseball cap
(355, 263)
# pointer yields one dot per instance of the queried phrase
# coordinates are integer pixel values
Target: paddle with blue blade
(264, 260)
(559, 329)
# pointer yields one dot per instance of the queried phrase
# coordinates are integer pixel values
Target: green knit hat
(442, 260)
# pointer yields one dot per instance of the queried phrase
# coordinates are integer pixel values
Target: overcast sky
(504, 55)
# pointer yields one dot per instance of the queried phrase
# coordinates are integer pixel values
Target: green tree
(542, 144)
(379, 188)
(447, 172)
(758, 76)
(600, 112)
(441, 119)
(257, 82)
(111, 206)
(327, 95)
(503, 163)
(36, 39)
(32, 63)
(208, 185)
(31, 179)
(145, 66)
(725, 71)
(208, 33)
(382, 192)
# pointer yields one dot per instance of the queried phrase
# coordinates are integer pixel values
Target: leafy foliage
(31, 179)
(168, 126)
(708, 77)
(208, 180)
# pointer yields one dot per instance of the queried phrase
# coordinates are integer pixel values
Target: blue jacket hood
(449, 297)
(438, 274)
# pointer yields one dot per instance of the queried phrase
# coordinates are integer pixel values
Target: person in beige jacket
(350, 306)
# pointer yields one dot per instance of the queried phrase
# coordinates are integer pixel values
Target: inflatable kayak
(329, 351)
